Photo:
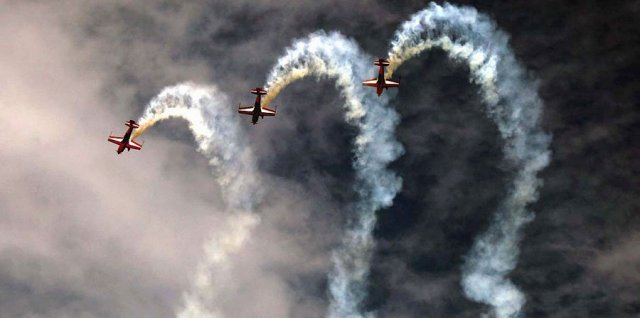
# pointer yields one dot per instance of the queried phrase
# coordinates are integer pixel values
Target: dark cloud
(578, 257)
(586, 216)
(453, 181)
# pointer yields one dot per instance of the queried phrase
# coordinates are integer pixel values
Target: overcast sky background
(87, 233)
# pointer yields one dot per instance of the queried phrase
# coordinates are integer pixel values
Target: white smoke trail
(218, 136)
(513, 103)
(336, 57)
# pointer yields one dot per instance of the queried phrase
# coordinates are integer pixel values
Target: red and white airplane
(256, 110)
(380, 82)
(126, 142)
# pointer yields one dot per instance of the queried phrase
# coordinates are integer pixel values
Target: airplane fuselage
(381, 81)
(125, 140)
(257, 110)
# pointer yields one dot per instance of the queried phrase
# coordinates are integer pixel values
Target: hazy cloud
(87, 233)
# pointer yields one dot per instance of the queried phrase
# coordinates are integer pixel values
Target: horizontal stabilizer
(381, 62)
(258, 91)
(131, 124)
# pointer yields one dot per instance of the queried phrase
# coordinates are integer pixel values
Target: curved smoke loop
(334, 56)
(220, 139)
(514, 105)
(321, 55)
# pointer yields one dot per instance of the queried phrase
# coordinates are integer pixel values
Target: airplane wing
(267, 112)
(246, 110)
(390, 83)
(115, 139)
(134, 145)
(371, 82)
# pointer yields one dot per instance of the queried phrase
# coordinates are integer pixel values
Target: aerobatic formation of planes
(257, 110)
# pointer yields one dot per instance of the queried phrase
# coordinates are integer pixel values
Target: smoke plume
(514, 105)
(512, 102)
(336, 57)
(219, 138)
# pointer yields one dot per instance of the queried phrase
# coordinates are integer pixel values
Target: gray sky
(87, 233)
